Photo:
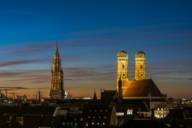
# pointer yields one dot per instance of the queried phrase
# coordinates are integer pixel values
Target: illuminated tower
(57, 91)
(122, 66)
(140, 66)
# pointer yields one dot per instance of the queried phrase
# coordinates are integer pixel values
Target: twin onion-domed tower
(123, 70)
(140, 87)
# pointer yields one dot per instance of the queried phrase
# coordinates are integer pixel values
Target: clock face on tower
(123, 70)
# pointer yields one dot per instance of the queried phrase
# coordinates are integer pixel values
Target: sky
(89, 35)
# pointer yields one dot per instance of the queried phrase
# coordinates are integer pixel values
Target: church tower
(140, 66)
(122, 66)
(57, 91)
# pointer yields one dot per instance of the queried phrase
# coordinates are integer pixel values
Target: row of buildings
(134, 95)
(133, 103)
(139, 88)
(79, 113)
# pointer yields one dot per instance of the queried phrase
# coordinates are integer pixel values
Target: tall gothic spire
(57, 91)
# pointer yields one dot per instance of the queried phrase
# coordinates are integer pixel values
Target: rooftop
(141, 88)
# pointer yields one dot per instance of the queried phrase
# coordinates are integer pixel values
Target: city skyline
(90, 34)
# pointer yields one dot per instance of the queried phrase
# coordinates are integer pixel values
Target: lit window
(129, 111)
(119, 114)
(161, 113)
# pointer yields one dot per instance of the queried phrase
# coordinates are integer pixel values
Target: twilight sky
(90, 33)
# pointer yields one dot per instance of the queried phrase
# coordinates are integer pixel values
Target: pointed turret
(94, 95)
(57, 50)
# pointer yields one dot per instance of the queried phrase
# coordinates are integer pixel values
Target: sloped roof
(141, 88)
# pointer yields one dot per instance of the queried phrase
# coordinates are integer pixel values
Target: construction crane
(12, 91)
(38, 95)
(6, 89)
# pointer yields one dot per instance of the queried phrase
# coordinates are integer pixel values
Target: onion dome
(122, 53)
(140, 54)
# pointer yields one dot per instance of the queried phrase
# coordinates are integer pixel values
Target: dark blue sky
(90, 33)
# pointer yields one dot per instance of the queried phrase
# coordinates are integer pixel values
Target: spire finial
(56, 49)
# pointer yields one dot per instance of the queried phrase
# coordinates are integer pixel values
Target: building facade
(122, 67)
(140, 66)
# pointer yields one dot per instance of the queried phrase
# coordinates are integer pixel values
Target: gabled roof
(141, 88)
